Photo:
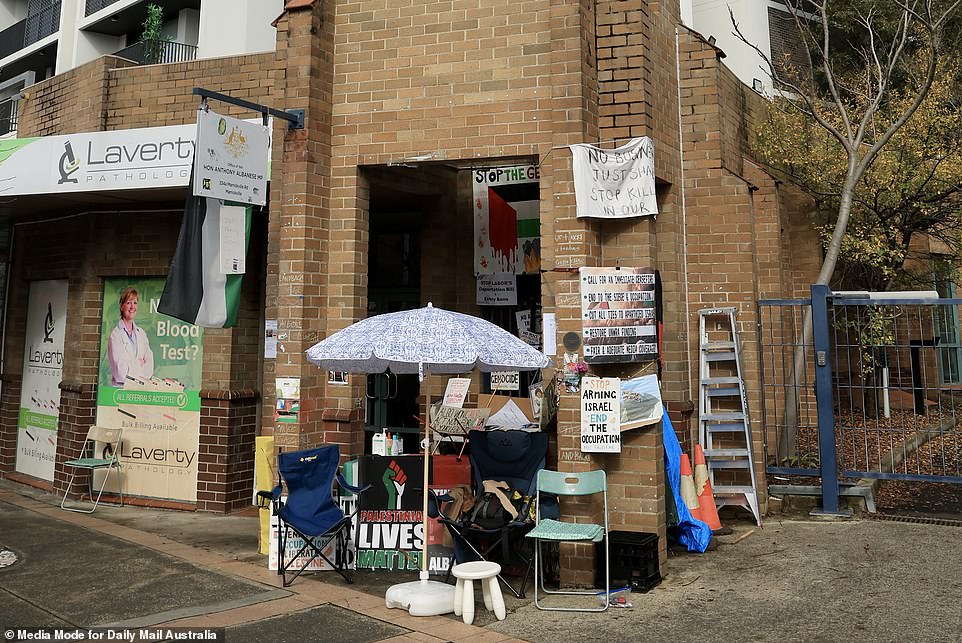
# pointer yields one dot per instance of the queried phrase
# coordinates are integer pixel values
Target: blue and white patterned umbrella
(426, 340)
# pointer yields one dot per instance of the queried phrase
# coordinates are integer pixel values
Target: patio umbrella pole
(427, 454)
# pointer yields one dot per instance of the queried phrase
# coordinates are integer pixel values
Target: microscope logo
(48, 326)
(68, 165)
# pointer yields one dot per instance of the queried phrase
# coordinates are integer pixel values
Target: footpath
(791, 580)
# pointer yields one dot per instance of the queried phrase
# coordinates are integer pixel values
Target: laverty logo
(48, 324)
(394, 479)
(68, 165)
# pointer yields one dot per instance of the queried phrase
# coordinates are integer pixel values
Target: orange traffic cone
(706, 499)
(688, 488)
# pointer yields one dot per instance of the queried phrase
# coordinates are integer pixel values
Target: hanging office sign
(601, 415)
(618, 315)
(615, 184)
(149, 386)
(42, 371)
(507, 226)
(231, 159)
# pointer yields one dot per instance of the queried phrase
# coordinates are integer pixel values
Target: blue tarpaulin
(690, 532)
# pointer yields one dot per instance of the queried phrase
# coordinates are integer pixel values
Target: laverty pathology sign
(150, 157)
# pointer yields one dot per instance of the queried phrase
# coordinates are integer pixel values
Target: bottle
(397, 446)
(389, 445)
(378, 444)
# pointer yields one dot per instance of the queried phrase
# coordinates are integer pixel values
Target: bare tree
(845, 106)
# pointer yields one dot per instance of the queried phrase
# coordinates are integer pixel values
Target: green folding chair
(101, 450)
(557, 531)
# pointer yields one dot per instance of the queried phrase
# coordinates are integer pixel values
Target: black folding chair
(509, 456)
(310, 511)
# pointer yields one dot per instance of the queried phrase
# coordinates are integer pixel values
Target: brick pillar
(300, 273)
(9, 414)
(225, 466)
(78, 408)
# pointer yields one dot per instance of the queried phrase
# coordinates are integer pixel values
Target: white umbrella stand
(423, 597)
(426, 340)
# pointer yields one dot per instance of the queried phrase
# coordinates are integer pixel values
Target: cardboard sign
(505, 381)
(456, 391)
(601, 415)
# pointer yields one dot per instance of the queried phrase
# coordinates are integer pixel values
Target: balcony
(93, 6)
(34, 28)
(8, 115)
(154, 52)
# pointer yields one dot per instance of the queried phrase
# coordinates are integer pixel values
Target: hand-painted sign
(601, 415)
(615, 184)
(507, 225)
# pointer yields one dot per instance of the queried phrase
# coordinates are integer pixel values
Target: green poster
(149, 385)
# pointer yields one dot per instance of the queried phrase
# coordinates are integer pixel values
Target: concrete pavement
(793, 580)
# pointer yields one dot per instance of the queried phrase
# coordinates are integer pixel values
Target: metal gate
(861, 385)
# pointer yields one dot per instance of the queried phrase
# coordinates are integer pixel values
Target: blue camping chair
(514, 457)
(310, 511)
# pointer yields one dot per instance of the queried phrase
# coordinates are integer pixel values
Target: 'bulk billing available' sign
(601, 415)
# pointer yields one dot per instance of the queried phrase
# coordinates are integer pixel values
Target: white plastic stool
(487, 573)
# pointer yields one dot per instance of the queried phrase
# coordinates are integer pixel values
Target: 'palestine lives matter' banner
(149, 385)
(390, 527)
(42, 372)
(507, 223)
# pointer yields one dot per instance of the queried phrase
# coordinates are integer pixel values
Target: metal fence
(153, 52)
(8, 115)
(41, 24)
(93, 6)
(861, 386)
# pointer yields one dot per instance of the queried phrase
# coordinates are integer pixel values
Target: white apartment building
(41, 38)
(767, 24)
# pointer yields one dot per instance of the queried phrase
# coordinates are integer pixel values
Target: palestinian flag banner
(507, 223)
(204, 281)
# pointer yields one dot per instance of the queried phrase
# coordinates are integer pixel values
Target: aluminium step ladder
(724, 430)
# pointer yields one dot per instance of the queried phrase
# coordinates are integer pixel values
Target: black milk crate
(634, 561)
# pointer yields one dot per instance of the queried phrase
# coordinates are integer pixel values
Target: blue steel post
(826, 407)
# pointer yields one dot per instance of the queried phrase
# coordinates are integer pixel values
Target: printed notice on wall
(601, 415)
(618, 315)
(615, 184)
(233, 240)
(497, 290)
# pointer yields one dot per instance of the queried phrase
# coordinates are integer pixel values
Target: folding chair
(513, 457)
(310, 511)
(556, 531)
(88, 461)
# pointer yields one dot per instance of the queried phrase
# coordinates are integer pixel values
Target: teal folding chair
(107, 442)
(557, 531)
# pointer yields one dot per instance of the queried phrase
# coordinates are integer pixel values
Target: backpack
(488, 512)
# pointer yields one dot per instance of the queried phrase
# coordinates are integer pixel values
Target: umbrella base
(421, 597)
